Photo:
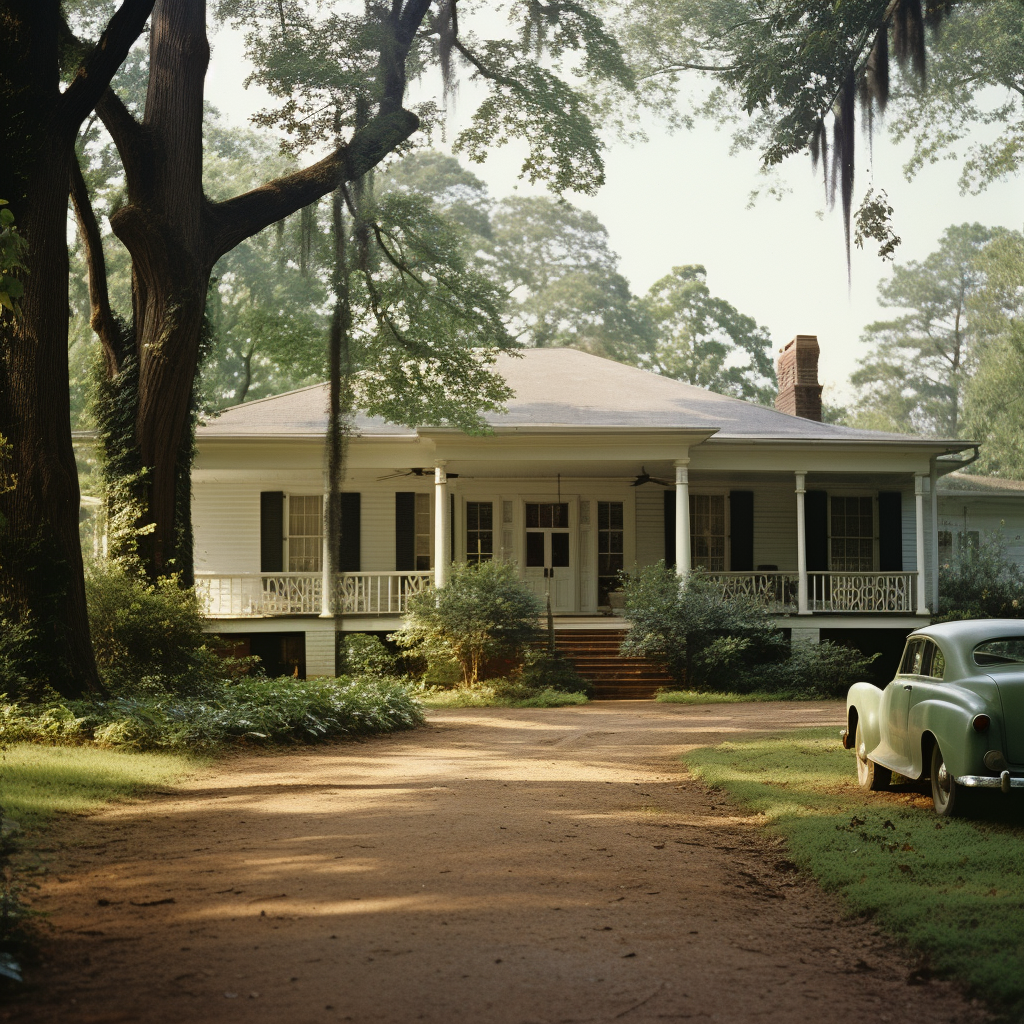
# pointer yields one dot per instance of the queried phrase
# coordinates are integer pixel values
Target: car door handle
(907, 686)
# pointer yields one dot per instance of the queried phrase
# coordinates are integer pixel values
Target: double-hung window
(305, 532)
(422, 531)
(852, 544)
(610, 536)
(707, 532)
(479, 531)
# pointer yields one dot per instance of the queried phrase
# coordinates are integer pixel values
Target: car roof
(972, 631)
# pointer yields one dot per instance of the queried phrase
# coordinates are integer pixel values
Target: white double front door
(549, 562)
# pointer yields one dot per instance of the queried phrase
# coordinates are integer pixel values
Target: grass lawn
(37, 782)
(953, 889)
(704, 697)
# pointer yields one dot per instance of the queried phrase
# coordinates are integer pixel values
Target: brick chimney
(797, 370)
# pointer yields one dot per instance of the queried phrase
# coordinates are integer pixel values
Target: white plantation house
(595, 467)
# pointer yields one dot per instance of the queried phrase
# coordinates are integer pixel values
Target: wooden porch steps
(595, 653)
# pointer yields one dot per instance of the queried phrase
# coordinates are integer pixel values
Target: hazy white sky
(681, 198)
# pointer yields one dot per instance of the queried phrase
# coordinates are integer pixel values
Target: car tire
(870, 776)
(950, 799)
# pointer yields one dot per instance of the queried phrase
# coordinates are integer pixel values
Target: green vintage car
(954, 714)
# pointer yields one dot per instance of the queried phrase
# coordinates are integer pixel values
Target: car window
(912, 658)
(1007, 650)
(938, 664)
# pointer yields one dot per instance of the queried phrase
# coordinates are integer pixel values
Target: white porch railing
(826, 591)
(260, 595)
(378, 593)
(777, 591)
(861, 591)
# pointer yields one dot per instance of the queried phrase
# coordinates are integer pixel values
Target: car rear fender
(949, 725)
(862, 702)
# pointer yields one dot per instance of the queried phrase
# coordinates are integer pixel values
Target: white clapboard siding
(226, 521)
(999, 519)
(650, 525)
(775, 526)
(377, 520)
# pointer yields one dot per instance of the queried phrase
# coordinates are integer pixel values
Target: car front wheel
(870, 776)
(949, 798)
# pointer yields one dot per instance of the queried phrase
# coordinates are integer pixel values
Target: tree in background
(915, 378)
(554, 266)
(705, 340)
(267, 303)
(994, 398)
(555, 261)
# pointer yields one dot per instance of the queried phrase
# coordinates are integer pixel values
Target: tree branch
(102, 319)
(410, 20)
(234, 220)
(97, 71)
(125, 130)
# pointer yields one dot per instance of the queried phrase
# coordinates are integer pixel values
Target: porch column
(801, 546)
(325, 559)
(922, 599)
(933, 537)
(682, 518)
(442, 525)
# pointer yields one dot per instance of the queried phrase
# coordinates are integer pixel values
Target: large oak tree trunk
(41, 580)
(162, 228)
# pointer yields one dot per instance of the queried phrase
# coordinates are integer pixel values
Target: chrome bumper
(1003, 781)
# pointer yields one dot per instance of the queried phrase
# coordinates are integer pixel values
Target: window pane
(305, 532)
(479, 533)
(422, 547)
(559, 549)
(535, 549)
(913, 658)
(1005, 651)
(707, 531)
(851, 547)
(532, 514)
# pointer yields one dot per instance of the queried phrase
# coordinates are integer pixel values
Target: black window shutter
(741, 531)
(350, 526)
(890, 531)
(816, 530)
(271, 531)
(405, 531)
(451, 528)
(670, 528)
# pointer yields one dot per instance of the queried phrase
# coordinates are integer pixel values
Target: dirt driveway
(498, 866)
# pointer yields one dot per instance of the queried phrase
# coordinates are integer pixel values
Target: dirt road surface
(496, 867)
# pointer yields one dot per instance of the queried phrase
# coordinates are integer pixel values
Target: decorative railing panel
(777, 591)
(261, 595)
(826, 591)
(861, 591)
(378, 593)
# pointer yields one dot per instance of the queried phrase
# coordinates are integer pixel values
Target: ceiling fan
(409, 472)
(401, 472)
(645, 478)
